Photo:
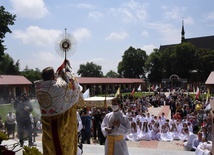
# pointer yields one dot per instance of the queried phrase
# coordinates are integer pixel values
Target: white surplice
(120, 147)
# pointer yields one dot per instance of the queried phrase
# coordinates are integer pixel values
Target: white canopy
(96, 102)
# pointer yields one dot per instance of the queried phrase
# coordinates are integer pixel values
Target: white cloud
(138, 9)
(40, 59)
(177, 13)
(149, 48)
(84, 6)
(132, 11)
(95, 15)
(81, 34)
(35, 35)
(145, 33)
(117, 36)
(126, 12)
(209, 16)
(167, 32)
(188, 21)
(45, 56)
(173, 13)
(33, 9)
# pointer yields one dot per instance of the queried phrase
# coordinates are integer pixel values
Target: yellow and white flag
(117, 93)
(208, 96)
(86, 94)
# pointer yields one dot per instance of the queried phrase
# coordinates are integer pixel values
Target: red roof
(14, 80)
(102, 80)
(210, 79)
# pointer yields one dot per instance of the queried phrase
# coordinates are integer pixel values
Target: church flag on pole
(208, 96)
(139, 88)
(117, 93)
(197, 93)
(133, 91)
(86, 94)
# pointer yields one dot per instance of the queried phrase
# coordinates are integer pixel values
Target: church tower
(182, 33)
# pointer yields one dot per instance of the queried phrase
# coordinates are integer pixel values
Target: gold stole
(111, 141)
(60, 133)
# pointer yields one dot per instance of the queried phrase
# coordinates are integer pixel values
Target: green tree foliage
(167, 58)
(8, 66)
(183, 59)
(205, 62)
(154, 66)
(179, 60)
(31, 74)
(111, 74)
(90, 69)
(133, 63)
(6, 19)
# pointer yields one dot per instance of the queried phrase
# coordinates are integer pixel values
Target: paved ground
(99, 150)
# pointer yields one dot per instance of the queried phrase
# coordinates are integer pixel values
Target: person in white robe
(115, 126)
(151, 124)
(139, 125)
(204, 148)
(145, 133)
(149, 118)
(188, 142)
(143, 117)
(134, 134)
(189, 124)
(161, 121)
(165, 135)
(183, 134)
(174, 131)
(197, 141)
(155, 131)
(163, 117)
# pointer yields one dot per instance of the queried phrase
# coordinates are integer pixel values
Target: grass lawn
(5, 108)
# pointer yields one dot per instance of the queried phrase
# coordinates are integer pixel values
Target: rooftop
(14, 80)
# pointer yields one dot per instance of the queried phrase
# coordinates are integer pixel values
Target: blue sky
(103, 29)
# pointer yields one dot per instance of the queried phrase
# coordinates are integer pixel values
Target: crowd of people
(189, 121)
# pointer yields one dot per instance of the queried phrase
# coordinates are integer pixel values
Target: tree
(6, 19)
(184, 59)
(179, 60)
(8, 67)
(90, 69)
(7, 64)
(167, 59)
(154, 66)
(31, 74)
(133, 63)
(111, 74)
(204, 62)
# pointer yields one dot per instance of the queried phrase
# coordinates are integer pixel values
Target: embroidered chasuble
(57, 100)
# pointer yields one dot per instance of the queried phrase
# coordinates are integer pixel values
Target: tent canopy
(100, 102)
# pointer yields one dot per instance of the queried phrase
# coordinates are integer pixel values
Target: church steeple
(182, 32)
